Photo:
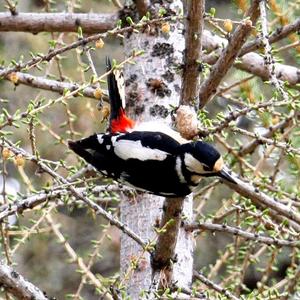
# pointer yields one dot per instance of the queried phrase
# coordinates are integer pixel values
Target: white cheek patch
(108, 147)
(192, 164)
(179, 171)
(100, 138)
(114, 139)
(126, 149)
(219, 165)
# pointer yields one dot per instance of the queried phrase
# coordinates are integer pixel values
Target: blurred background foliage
(41, 257)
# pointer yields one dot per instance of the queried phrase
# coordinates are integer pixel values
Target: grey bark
(153, 84)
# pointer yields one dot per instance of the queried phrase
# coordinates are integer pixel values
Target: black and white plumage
(149, 156)
(151, 161)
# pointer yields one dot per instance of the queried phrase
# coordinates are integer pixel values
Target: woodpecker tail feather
(118, 121)
(113, 91)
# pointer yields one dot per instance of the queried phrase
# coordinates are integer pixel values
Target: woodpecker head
(202, 159)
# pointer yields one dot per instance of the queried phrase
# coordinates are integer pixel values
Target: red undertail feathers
(118, 121)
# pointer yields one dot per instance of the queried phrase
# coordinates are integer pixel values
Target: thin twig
(236, 231)
(81, 42)
(268, 59)
(97, 208)
(279, 34)
(214, 286)
(226, 60)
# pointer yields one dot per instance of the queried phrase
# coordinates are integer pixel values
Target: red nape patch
(122, 123)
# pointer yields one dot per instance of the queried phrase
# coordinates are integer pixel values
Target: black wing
(150, 140)
(115, 98)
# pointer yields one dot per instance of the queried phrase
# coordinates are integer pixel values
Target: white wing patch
(126, 149)
(193, 164)
(156, 126)
(114, 139)
(179, 171)
(100, 138)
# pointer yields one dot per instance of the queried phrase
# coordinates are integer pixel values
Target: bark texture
(57, 22)
(17, 285)
(153, 84)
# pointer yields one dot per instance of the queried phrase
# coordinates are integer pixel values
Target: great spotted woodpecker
(149, 156)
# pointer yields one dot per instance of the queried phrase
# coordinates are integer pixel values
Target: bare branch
(234, 115)
(53, 53)
(251, 62)
(250, 147)
(268, 59)
(117, 4)
(226, 60)
(214, 286)
(278, 35)
(254, 63)
(57, 22)
(54, 85)
(262, 140)
(242, 233)
(17, 285)
(193, 41)
(169, 227)
(248, 191)
(75, 257)
(31, 201)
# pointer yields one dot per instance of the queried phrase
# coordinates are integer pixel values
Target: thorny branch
(250, 62)
(30, 202)
(251, 146)
(268, 59)
(248, 191)
(98, 209)
(279, 34)
(214, 286)
(40, 107)
(242, 233)
(81, 42)
(56, 86)
(209, 86)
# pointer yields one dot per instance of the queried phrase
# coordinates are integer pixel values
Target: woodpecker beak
(225, 174)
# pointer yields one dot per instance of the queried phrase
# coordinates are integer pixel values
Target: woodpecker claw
(225, 174)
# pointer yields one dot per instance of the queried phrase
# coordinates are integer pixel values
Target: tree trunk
(153, 84)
